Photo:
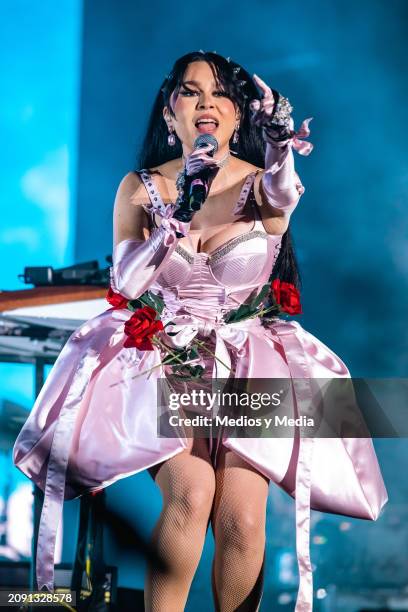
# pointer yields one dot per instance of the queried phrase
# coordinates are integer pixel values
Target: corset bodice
(209, 284)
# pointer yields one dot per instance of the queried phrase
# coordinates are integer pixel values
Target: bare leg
(187, 483)
(238, 522)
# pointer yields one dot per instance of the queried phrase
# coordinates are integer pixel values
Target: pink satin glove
(280, 183)
(137, 263)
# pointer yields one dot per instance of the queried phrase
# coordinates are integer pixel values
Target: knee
(198, 497)
(193, 503)
(242, 529)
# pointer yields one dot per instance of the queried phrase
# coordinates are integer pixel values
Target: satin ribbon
(295, 139)
(303, 148)
(168, 223)
(57, 465)
(185, 328)
(299, 370)
(173, 225)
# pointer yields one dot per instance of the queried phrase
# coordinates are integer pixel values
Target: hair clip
(201, 51)
(241, 83)
(236, 69)
(228, 59)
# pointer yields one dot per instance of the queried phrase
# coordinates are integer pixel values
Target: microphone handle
(199, 189)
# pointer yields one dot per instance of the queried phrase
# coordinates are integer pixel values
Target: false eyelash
(184, 91)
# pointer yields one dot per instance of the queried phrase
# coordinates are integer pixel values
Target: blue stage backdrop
(40, 66)
(343, 63)
(340, 62)
(40, 77)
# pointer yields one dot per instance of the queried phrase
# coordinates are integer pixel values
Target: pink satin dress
(95, 420)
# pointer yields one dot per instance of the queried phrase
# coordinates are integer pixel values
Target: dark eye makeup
(185, 91)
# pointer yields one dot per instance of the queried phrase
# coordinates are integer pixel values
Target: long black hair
(240, 87)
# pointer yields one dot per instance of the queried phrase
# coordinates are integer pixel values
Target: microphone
(200, 184)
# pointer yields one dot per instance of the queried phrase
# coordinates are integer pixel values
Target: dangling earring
(235, 138)
(171, 138)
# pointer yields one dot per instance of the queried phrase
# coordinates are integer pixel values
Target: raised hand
(281, 185)
(272, 113)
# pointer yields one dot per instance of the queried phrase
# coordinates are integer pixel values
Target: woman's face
(199, 96)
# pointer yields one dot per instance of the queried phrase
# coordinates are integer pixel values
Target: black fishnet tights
(233, 497)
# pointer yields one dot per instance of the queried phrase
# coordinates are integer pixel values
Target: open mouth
(206, 126)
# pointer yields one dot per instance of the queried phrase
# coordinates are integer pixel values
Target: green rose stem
(158, 365)
(260, 313)
(201, 343)
(156, 342)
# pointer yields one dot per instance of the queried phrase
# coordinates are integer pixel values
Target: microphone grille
(205, 139)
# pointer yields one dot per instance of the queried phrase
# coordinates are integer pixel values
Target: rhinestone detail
(156, 203)
(223, 249)
(184, 253)
(281, 116)
(218, 253)
(244, 193)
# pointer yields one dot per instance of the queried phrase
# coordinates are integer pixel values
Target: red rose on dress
(287, 296)
(140, 328)
(116, 299)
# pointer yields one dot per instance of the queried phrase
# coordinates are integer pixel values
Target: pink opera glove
(137, 263)
(281, 185)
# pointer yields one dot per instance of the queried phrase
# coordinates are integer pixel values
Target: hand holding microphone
(195, 181)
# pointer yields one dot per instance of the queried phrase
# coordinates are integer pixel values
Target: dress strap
(156, 203)
(257, 213)
(246, 188)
